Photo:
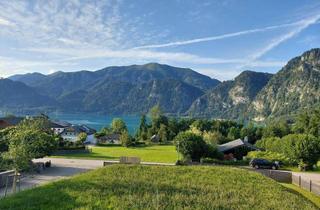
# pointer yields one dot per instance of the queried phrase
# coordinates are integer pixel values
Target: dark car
(262, 163)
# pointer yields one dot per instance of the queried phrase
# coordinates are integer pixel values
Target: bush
(268, 155)
(82, 137)
(302, 149)
(192, 145)
(125, 139)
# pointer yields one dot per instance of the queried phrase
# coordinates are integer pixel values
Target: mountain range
(135, 89)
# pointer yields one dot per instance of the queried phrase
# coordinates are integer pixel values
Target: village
(81, 148)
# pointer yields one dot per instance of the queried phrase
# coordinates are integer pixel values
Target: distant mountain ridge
(135, 89)
(18, 95)
(295, 87)
(230, 99)
(122, 89)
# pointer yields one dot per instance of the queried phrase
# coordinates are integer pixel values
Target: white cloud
(5, 22)
(80, 31)
(10, 66)
(282, 38)
(80, 54)
(212, 38)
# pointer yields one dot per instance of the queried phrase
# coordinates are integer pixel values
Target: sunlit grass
(310, 196)
(161, 187)
(153, 153)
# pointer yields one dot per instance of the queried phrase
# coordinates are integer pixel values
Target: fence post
(299, 181)
(310, 187)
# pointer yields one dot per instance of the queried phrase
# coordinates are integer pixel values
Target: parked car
(262, 163)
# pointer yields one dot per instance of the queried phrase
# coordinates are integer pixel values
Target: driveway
(60, 168)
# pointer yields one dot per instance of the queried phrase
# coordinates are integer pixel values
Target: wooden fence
(306, 184)
(5, 177)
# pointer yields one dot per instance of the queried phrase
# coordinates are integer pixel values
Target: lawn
(161, 187)
(153, 153)
(312, 197)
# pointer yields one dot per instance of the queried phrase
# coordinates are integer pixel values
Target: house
(236, 149)
(155, 138)
(72, 132)
(9, 121)
(113, 138)
(4, 124)
(58, 126)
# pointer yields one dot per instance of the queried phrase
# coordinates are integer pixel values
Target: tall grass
(160, 187)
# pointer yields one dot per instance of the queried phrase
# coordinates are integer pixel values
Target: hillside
(161, 187)
(29, 78)
(122, 90)
(135, 89)
(230, 99)
(296, 86)
(61, 83)
(18, 95)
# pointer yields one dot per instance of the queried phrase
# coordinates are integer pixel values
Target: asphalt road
(60, 169)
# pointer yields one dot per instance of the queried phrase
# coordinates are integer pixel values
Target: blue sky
(218, 38)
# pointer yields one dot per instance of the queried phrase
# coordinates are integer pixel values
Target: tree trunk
(14, 184)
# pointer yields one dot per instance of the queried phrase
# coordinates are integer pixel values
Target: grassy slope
(160, 187)
(312, 197)
(157, 153)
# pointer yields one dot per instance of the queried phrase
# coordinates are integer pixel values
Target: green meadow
(152, 153)
(160, 187)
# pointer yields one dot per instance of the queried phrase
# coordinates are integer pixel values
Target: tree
(298, 148)
(4, 139)
(142, 133)
(191, 145)
(308, 122)
(214, 138)
(41, 123)
(302, 148)
(125, 139)
(118, 125)
(19, 154)
(163, 133)
(202, 125)
(276, 129)
(82, 137)
(157, 118)
(249, 131)
(155, 112)
(234, 133)
(26, 144)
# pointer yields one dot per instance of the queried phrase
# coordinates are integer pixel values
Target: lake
(96, 121)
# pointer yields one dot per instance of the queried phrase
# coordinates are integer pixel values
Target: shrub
(126, 139)
(299, 148)
(82, 137)
(192, 145)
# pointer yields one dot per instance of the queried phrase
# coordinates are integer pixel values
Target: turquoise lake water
(96, 121)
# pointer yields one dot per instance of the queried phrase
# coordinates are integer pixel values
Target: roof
(4, 124)
(11, 121)
(235, 144)
(79, 129)
(109, 137)
(59, 124)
